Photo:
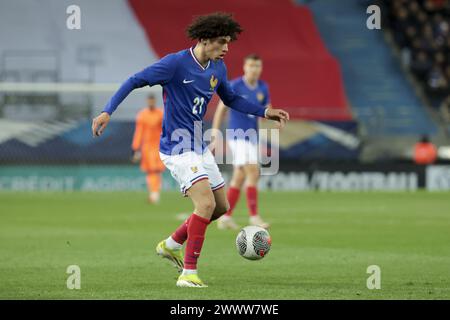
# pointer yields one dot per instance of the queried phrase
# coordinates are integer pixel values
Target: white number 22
(198, 104)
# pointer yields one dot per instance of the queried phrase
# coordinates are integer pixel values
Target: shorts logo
(194, 169)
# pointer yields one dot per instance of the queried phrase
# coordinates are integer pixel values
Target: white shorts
(189, 167)
(244, 152)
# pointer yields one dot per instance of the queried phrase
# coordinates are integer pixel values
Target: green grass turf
(322, 246)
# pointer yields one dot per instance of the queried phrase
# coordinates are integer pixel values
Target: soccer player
(245, 151)
(146, 146)
(189, 79)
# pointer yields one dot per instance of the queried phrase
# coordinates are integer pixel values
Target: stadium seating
(303, 77)
(382, 99)
(421, 30)
(122, 46)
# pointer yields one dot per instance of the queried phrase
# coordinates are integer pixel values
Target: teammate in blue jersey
(244, 147)
(189, 79)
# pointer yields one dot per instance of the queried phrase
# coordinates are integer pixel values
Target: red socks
(252, 200)
(180, 235)
(196, 235)
(233, 197)
(193, 230)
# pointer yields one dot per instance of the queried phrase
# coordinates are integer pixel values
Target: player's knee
(256, 174)
(237, 180)
(252, 175)
(237, 183)
(207, 206)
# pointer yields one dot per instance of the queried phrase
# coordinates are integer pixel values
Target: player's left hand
(99, 124)
(136, 157)
(278, 115)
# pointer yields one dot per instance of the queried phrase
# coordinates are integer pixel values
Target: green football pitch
(322, 245)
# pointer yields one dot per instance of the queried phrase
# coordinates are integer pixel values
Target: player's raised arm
(158, 73)
(239, 103)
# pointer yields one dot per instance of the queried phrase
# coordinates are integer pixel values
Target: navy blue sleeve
(158, 73)
(235, 101)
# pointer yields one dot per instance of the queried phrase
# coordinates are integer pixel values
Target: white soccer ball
(253, 242)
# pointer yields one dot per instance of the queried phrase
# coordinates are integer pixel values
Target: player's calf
(205, 204)
(220, 210)
(222, 204)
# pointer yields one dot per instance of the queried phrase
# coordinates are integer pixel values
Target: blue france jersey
(258, 95)
(187, 89)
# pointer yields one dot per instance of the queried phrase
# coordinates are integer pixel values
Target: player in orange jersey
(146, 146)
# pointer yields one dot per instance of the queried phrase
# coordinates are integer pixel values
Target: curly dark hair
(218, 24)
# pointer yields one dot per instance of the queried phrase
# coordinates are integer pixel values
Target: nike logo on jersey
(187, 81)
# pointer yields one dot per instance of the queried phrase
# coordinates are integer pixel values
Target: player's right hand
(99, 124)
(278, 115)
